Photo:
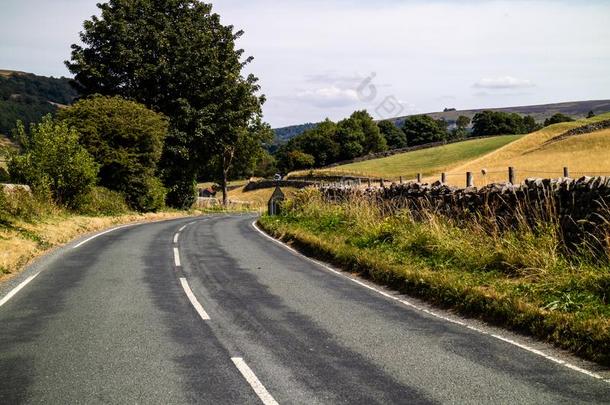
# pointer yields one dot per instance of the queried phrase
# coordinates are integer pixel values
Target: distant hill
(28, 97)
(575, 109)
(284, 134)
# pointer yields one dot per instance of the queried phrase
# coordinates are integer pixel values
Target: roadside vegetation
(522, 278)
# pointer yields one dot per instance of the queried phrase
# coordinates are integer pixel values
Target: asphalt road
(234, 318)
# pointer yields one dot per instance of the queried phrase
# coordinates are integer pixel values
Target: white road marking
(189, 293)
(183, 228)
(432, 313)
(176, 238)
(177, 257)
(17, 289)
(254, 382)
(100, 234)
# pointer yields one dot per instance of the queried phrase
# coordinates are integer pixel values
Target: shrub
(126, 139)
(4, 176)
(53, 163)
(101, 201)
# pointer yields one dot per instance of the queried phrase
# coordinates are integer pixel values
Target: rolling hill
(426, 161)
(28, 97)
(544, 154)
(575, 109)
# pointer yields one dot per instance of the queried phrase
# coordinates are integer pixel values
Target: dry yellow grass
(259, 198)
(18, 248)
(534, 156)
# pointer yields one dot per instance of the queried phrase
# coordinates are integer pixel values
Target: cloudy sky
(320, 59)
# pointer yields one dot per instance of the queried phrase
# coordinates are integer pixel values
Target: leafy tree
(422, 129)
(462, 122)
(359, 135)
(53, 162)
(488, 123)
(590, 114)
(297, 160)
(175, 57)
(557, 118)
(393, 135)
(126, 140)
(319, 143)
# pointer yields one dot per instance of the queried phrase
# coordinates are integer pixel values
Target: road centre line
(254, 382)
(176, 238)
(189, 293)
(432, 313)
(177, 257)
(15, 290)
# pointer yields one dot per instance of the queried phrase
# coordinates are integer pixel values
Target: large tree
(422, 129)
(394, 136)
(177, 58)
(126, 140)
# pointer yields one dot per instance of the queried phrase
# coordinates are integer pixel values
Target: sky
(318, 59)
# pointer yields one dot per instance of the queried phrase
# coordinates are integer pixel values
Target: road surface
(209, 310)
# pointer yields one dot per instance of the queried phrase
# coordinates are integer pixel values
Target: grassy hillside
(27, 97)
(534, 156)
(426, 161)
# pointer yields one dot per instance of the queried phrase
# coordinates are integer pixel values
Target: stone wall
(257, 185)
(581, 207)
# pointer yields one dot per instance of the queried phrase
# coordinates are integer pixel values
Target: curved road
(220, 314)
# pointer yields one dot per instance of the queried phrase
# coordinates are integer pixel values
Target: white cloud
(331, 96)
(504, 82)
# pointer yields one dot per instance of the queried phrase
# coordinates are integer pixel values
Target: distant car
(277, 176)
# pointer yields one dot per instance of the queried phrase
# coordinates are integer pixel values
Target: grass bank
(30, 228)
(517, 279)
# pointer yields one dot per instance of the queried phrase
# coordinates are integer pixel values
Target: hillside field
(426, 161)
(534, 156)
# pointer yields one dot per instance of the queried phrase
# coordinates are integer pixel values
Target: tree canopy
(557, 118)
(422, 129)
(126, 140)
(501, 123)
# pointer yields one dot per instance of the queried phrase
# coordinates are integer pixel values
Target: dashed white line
(17, 289)
(432, 313)
(254, 382)
(100, 234)
(177, 257)
(189, 293)
(183, 228)
(176, 236)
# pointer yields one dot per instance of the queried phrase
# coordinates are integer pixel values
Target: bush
(53, 163)
(182, 194)
(4, 176)
(21, 204)
(126, 139)
(557, 118)
(101, 201)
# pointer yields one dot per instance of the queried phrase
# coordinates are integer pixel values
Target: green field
(427, 161)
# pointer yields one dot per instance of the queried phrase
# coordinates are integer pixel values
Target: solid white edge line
(434, 314)
(177, 257)
(254, 382)
(17, 289)
(189, 293)
(100, 234)
(176, 238)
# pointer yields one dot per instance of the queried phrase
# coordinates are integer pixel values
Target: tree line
(360, 135)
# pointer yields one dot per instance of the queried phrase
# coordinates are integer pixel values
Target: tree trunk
(225, 191)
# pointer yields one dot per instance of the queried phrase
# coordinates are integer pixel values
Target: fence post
(419, 177)
(381, 183)
(443, 178)
(368, 179)
(469, 179)
(511, 175)
(400, 180)
(566, 172)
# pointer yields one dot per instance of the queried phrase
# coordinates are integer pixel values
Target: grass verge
(517, 279)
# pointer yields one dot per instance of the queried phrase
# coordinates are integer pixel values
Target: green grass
(428, 161)
(518, 279)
